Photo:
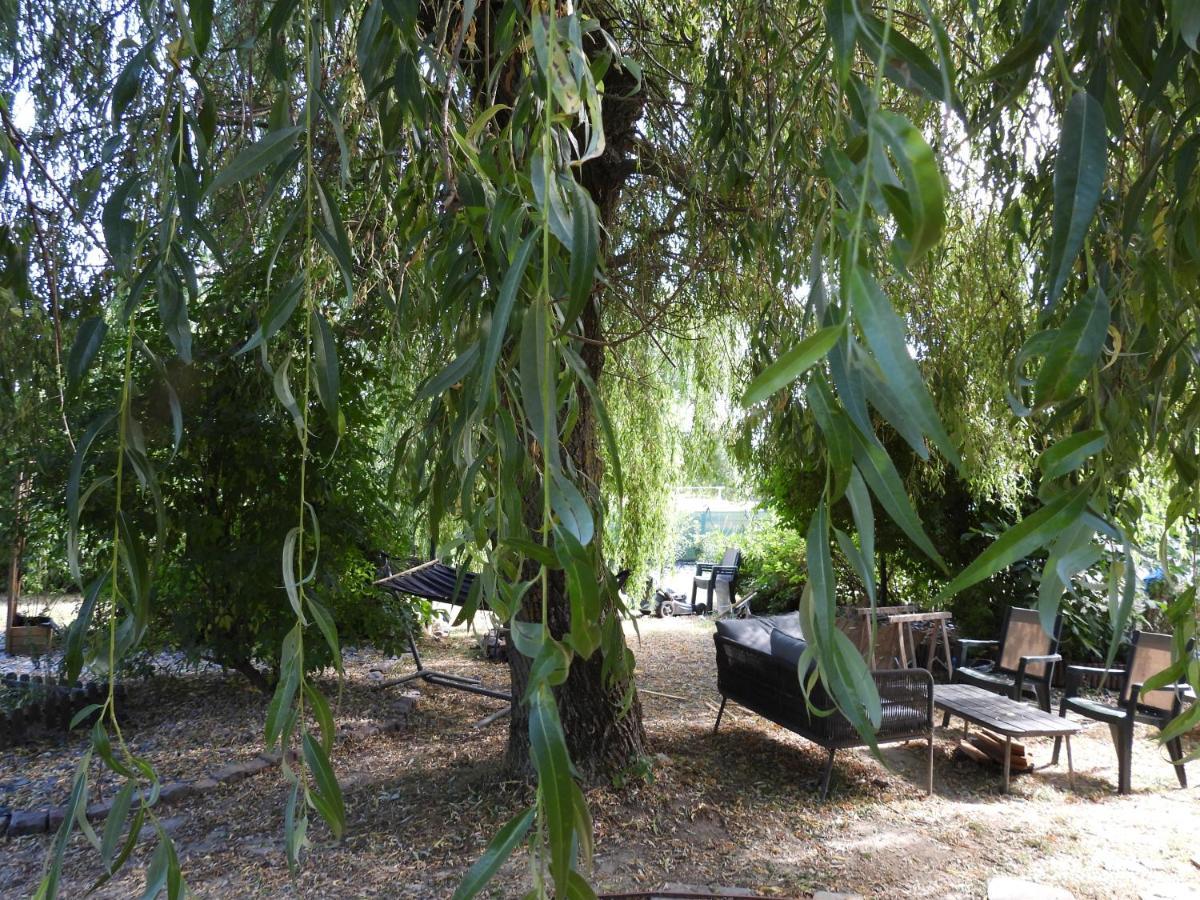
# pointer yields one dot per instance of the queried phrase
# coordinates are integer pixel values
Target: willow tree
(525, 185)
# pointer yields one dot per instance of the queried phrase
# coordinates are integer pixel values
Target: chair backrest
(1150, 654)
(732, 557)
(1023, 636)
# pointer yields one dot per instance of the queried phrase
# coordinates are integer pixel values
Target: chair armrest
(965, 645)
(703, 568)
(1075, 675)
(1047, 658)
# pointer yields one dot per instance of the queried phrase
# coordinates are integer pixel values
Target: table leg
(903, 649)
(1007, 760)
(1070, 765)
(946, 647)
(930, 646)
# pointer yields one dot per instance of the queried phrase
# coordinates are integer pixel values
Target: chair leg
(1175, 749)
(720, 712)
(827, 775)
(1123, 740)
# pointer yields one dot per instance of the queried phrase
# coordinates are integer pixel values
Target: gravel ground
(737, 809)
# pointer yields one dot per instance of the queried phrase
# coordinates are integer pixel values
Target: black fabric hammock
(445, 584)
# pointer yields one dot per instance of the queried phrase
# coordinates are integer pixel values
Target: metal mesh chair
(1025, 658)
(1150, 654)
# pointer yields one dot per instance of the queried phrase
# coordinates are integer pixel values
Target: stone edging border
(19, 823)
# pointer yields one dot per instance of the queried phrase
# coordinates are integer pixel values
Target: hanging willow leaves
(792, 364)
(1078, 177)
(1026, 536)
(269, 149)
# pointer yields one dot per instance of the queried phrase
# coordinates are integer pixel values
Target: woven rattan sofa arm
(910, 687)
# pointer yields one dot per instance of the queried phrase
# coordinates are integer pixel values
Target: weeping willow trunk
(604, 734)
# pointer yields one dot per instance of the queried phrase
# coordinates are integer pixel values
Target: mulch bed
(737, 809)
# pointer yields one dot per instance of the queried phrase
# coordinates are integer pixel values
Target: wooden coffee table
(1004, 716)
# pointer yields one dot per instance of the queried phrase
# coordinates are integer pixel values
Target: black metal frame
(1121, 718)
(770, 686)
(433, 676)
(1012, 682)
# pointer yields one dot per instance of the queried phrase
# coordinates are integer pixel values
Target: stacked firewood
(987, 748)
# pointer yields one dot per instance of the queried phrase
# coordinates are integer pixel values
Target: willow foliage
(527, 188)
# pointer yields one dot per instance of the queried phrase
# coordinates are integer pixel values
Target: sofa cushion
(778, 636)
(754, 632)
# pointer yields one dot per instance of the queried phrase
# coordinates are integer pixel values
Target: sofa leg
(717, 724)
(827, 775)
(929, 774)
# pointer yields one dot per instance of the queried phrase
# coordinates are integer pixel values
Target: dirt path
(734, 809)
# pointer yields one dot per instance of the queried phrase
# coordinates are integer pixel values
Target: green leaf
(285, 689)
(88, 339)
(556, 787)
(48, 888)
(505, 300)
(1074, 350)
(450, 375)
(1042, 19)
(114, 824)
(326, 796)
(571, 508)
(857, 562)
(1078, 178)
(326, 363)
(792, 364)
(575, 361)
(126, 86)
(283, 392)
(538, 396)
(880, 474)
(322, 713)
(269, 149)
(201, 14)
(1071, 552)
(923, 183)
(842, 26)
(325, 622)
(836, 428)
(1071, 452)
(585, 252)
(333, 237)
(1022, 539)
(498, 850)
(905, 64)
(885, 334)
(1184, 18)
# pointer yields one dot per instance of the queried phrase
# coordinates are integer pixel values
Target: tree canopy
(449, 264)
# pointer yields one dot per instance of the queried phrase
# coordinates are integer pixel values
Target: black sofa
(757, 662)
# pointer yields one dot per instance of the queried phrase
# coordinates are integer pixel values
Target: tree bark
(601, 738)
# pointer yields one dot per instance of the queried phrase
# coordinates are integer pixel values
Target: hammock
(433, 581)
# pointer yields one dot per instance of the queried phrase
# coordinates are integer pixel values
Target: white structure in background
(707, 507)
